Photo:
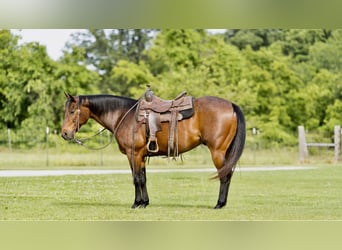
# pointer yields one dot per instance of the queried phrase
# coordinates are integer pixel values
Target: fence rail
(303, 145)
(320, 144)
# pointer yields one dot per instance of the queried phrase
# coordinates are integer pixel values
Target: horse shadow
(91, 204)
(127, 205)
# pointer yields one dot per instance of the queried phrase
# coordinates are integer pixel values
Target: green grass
(313, 194)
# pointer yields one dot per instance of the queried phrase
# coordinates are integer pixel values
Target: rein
(81, 141)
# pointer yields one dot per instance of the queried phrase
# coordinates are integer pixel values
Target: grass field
(313, 194)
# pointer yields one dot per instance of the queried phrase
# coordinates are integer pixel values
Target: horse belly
(188, 136)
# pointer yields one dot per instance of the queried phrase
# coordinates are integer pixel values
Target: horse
(217, 123)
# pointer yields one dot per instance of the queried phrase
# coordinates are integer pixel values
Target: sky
(54, 39)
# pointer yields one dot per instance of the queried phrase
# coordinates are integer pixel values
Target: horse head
(76, 114)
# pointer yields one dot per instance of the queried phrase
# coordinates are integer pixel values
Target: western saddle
(153, 110)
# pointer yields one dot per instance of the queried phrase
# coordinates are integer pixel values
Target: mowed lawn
(312, 194)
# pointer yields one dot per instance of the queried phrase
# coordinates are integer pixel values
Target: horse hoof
(140, 204)
(144, 204)
(136, 204)
(219, 205)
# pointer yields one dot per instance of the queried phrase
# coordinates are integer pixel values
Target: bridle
(81, 141)
(78, 111)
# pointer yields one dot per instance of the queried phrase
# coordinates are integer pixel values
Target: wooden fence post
(303, 145)
(303, 150)
(337, 137)
(9, 139)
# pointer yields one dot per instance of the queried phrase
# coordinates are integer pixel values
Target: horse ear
(67, 95)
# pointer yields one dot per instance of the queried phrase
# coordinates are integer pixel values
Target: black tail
(235, 149)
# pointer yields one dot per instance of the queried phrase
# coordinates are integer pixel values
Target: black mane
(100, 104)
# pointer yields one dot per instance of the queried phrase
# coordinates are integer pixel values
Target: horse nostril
(65, 135)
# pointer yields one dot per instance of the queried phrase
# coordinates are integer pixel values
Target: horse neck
(111, 112)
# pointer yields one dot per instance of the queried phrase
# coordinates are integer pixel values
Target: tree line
(280, 78)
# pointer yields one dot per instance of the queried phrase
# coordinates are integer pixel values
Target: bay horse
(216, 123)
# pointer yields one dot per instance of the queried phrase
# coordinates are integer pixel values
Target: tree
(255, 38)
(333, 116)
(193, 61)
(272, 83)
(32, 85)
(327, 54)
(297, 42)
(130, 77)
(26, 87)
(103, 49)
(10, 105)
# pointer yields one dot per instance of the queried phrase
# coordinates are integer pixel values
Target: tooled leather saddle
(153, 110)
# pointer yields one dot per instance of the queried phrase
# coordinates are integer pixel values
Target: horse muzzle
(68, 135)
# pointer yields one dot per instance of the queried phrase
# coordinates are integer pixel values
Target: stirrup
(152, 150)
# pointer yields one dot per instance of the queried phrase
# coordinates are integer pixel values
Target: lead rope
(81, 141)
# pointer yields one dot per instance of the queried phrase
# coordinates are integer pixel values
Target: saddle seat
(153, 110)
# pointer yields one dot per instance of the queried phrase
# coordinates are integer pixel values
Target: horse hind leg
(225, 154)
(236, 142)
(219, 159)
(224, 189)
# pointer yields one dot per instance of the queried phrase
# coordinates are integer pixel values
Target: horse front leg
(141, 195)
(139, 179)
(138, 198)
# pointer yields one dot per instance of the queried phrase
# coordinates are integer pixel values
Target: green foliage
(297, 42)
(195, 61)
(255, 38)
(32, 85)
(129, 76)
(333, 115)
(103, 49)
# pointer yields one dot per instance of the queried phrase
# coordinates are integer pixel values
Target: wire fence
(47, 139)
(50, 138)
(50, 149)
